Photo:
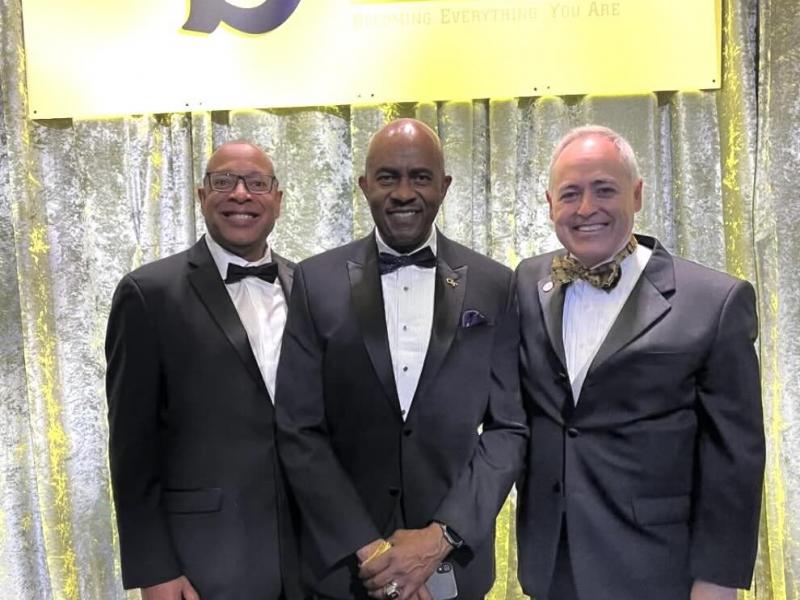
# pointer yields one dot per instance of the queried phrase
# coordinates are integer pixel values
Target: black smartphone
(442, 584)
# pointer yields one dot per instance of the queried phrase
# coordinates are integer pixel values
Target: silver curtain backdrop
(83, 202)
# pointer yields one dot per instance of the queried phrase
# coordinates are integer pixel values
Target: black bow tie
(421, 258)
(267, 272)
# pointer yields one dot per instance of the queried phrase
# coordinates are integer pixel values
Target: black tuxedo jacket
(352, 461)
(197, 484)
(657, 471)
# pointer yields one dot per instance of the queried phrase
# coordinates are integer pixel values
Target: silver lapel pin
(451, 282)
(548, 286)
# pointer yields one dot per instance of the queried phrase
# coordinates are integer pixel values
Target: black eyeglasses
(256, 183)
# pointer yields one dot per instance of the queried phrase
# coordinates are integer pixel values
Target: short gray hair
(624, 147)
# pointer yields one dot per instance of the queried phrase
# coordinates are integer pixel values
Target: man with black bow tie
(399, 421)
(192, 347)
(641, 384)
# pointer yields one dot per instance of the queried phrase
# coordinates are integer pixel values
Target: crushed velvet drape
(83, 202)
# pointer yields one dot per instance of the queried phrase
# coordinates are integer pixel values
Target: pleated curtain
(83, 202)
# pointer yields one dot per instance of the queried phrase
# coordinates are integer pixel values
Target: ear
(278, 200)
(637, 196)
(201, 194)
(362, 183)
(448, 179)
(549, 203)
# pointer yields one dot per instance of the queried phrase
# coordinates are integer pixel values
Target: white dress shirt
(590, 312)
(261, 307)
(408, 306)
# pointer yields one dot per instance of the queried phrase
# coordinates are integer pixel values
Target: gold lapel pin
(451, 282)
(548, 286)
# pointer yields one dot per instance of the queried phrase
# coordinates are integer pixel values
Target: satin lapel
(448, 301)
(646, 304)
(285, 274)
(207, 283)
(367, 295)
(551, 299)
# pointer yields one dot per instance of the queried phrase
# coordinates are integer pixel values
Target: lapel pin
(548, 286)
(451, 282)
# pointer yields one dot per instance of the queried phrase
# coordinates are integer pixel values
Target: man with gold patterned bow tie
(192, 347)
(641, 383)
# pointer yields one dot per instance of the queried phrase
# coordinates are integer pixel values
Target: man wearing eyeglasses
(192, 348)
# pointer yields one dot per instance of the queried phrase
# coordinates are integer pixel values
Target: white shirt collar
(384, 247)
(222, 257)
(589, 314)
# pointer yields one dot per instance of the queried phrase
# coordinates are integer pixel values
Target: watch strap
(450, 536)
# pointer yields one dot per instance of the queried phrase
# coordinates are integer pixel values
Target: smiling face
(239, 220)
(404, 183)
(593, 199)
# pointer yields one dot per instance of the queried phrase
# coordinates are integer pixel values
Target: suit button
(557, 487)
(406, 432)
(394, 492)
(563, 375)
(572, 432)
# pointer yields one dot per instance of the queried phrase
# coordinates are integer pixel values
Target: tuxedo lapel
(449, 291)
(367, 295)
(285, 274)
(551, 299)
(207, 283)
(646, 304)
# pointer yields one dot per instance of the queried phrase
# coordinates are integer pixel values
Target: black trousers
(562, 587)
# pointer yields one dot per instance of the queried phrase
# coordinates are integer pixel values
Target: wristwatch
(450, 536)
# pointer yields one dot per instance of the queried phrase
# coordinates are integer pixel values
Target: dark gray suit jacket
(352, 461)
(658, 469)
(197, 484)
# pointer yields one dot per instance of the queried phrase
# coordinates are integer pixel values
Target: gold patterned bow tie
(566, 269)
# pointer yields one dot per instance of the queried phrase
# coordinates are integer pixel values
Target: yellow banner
(90, 58)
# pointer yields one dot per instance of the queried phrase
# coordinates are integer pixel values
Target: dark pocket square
(473, 318)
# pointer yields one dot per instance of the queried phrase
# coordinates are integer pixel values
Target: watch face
(451, 536)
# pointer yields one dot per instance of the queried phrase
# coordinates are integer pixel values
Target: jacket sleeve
(133, 388)
(730, 449)
(472, 503)
(331, 508)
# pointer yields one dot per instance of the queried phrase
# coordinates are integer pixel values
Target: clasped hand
(412, 559)
(175, 589)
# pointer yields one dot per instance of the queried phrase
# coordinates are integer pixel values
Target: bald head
(404, 182)
(402, 131)
(240, 219)
(576, 134)
(239, 148)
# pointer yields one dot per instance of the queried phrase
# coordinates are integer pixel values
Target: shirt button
(405, 369)
(405, 328)
(405, 288)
